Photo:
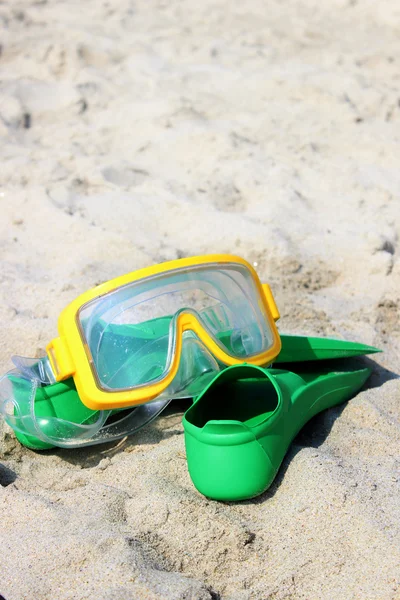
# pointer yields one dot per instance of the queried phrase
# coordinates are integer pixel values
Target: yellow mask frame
(69, 354)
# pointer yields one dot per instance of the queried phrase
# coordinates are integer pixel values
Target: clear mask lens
(131, 332)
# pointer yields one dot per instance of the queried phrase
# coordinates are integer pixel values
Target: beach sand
(138, 132)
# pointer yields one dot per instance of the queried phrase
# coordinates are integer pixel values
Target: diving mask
(149, 336)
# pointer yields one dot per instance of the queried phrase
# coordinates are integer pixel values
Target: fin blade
(298, 348)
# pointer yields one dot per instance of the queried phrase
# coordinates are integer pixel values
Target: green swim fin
(298, 348)
(239, 429)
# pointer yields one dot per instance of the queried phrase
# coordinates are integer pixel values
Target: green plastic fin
(298, 348)
(239, 429)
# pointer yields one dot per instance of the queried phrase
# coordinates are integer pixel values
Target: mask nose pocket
(246, 341)
(197, 365)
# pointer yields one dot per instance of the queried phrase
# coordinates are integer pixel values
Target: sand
(136, 132)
